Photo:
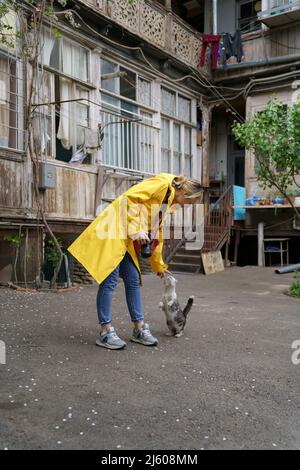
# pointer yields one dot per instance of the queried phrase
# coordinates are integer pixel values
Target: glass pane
(80, 62)
(110, 84)
(128, 84)
(165, 145)
(67, 56)
(187, 141)
(107, 100)
(168, 101)
(55, 55)
(176, 137)
(8, 103)
(146, 139)
(42, 116)
(187, 152)
(176, 163)
(188, 166)
(184, 108)
(144, 92)
(46, 46)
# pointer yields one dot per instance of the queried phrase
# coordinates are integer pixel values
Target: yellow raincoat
(102, 245)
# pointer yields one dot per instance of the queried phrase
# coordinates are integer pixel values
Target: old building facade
(126, 99)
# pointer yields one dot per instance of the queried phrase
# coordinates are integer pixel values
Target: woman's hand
(163, 274)
(141, 238)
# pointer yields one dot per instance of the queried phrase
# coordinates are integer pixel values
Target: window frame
(142, 111)
(7, 54)
(183, 124)
(239, 4)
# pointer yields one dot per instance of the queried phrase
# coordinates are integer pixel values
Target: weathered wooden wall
(74, 196)
(11, 185)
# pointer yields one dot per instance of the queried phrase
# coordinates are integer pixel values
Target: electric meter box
(47, 176)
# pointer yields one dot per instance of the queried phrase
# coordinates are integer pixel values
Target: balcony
(280, 13)
(154, 24)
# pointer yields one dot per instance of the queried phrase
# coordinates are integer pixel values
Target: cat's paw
(170, 303)
(161, 305)
(169, 333)
(179, 334)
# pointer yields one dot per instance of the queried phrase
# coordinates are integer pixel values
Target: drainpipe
(215, 16)
(271, 61)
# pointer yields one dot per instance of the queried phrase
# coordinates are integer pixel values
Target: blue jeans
(131, 278)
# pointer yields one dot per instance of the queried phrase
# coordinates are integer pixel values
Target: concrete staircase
(186, 261)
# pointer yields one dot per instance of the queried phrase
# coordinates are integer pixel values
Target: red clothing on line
(214, 41)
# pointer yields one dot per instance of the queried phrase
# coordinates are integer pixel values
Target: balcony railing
(280, 12)
(154, 24)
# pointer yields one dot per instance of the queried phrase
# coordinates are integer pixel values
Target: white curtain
(79, 62)
(64, 133)
(47, 45)
(40, 133)
(4, 101)
(67, 57)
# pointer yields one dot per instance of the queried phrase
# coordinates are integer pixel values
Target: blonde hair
(191, 187)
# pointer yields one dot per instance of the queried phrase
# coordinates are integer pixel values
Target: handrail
(217, 220)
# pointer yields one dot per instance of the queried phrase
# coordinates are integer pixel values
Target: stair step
(184, 267)
(183, 252)
(183, 258)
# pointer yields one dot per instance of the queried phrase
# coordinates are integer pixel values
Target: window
(11, 103)
(124, 82)
(72, 117)
(247, 15)
(69, 118)
(42, 119)
(176, 133)
(129, 134)
(66, 56)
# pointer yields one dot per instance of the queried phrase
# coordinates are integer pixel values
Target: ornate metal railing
(158, 26)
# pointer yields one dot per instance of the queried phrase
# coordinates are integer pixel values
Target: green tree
(273, 134)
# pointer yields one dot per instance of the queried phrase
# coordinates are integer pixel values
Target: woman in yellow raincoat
(108, 248)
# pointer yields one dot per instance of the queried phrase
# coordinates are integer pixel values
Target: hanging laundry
(212, 40)
(232, 44)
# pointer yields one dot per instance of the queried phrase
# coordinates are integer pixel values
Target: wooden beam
(168, 4)
(206, 121)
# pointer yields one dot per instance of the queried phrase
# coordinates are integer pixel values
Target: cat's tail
(188, 306)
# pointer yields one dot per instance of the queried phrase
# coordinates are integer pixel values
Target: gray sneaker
(109, 339)
(144, 336)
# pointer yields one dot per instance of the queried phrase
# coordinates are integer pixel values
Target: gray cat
(175, 316)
